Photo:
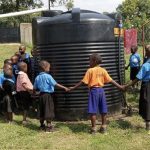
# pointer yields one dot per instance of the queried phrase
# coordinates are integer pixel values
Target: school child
(25, 57)
(145, 57)
(144, 102)
(45, 83)
(6, 66)
(2, 78)
(134, 63)
(95, 78)
(24, 86)
(7, 61)
(15, 60)
(9, 92)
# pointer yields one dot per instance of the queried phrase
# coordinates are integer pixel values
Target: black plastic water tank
(51, 13)
(67, 41)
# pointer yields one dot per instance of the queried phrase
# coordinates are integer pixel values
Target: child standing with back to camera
(9, 95)
(144, 102)
(134, 63)
(24, 87)
(45, 83)
(95, 78)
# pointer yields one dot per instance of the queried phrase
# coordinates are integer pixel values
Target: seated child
(95, 78)
(24, 86)
(45, 83)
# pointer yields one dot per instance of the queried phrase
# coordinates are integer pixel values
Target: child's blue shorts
(97, 101)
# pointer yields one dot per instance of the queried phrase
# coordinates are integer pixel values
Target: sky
(95, 5)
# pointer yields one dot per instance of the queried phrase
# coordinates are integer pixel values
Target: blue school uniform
(135, 60)
(2, 78)
(15, 70)
(26, 58)
(45, 83)
(144, 102)
(144, 73)
(134, 65)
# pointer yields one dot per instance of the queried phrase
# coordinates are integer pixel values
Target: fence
(9, 35)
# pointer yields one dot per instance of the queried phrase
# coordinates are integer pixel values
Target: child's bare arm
(127, 66)
(131, 83)
(62, 87)
(117, 85)
(76, 86)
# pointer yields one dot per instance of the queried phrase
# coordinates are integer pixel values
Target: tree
(53, 3)
(135, 13)
(7, 6)
(69, 5)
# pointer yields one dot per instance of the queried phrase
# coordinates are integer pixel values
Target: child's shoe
(24, 122)
(49, 129)
(103, 130)
(42, 127)
(93, 131)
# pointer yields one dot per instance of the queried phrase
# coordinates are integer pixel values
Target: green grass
(124, 133)
(8, 50)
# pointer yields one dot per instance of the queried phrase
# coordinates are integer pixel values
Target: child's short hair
(17, 54)
(22, 46)
(7, 61)
(8, 73)
(134, 48)
(21, 66)
(96, 58)
(43, 65)
(7, 66)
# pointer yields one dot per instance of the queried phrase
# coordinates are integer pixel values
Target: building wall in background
(26, 33)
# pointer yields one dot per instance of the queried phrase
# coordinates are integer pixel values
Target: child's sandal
(92, 131)
(49, 129)
(42, 127)
(103, 130)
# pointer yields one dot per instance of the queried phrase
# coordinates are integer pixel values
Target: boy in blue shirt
(134, 63)
(45, 83)
(144, 102)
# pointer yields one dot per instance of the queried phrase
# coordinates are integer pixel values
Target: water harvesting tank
(66, 41)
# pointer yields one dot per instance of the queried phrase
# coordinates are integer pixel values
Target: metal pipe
(49, 4)
(143, 41)
(25, 12)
